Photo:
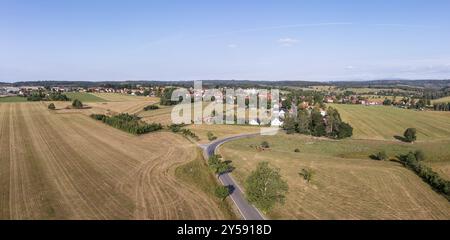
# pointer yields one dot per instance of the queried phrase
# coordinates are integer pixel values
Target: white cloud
(287, 41)
(350, 67)
(232, 45)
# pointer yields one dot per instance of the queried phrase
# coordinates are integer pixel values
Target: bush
(56, 96)
(410, 135)
(51, 106)
(307, 174)
(176, 127)
(297, 150)
(381, 156)
(77, 104)
(189, 133)
(151, 107)
(211, 136)
(265, 144)
(222, 192)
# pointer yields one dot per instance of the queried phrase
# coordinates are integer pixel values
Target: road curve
(248, 211)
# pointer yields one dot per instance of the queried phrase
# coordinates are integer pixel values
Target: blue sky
(257, 40)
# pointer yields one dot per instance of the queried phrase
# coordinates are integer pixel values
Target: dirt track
(68, 166)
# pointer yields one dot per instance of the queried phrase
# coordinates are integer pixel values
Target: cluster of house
(354, 100)
(18, 91)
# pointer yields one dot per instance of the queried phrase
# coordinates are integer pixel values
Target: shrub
(297, 150)
(307, 174)
(77, 104)
(211, 136)
(189, 133)
(381, 156)
(51, 106)
(151, 107)
(176, 127)
(56, 96)
(265, 144)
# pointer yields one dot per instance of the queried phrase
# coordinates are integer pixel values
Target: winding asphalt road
(248, 211)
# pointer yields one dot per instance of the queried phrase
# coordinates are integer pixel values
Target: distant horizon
(246, 80)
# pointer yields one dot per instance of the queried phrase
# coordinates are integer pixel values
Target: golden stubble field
(346, 183)
(68, 166)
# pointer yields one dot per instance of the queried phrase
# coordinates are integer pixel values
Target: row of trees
(178, 128)
(312, 122)
(53, 96)
(413, 160)
(128, 123)
(441, 106)
(166, 97)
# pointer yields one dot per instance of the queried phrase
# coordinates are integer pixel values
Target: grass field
(12, 99)
(84, 97)
(442, 100)
(117, 97)
(383, 122)
(68, 166)
(346, 184)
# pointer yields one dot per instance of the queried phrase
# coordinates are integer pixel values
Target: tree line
(41, 96)
(312, 122)
(128, 123)
(441, 106)
(413, 160)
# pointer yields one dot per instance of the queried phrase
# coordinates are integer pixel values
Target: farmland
(84, 97)
(442, 100)
(12, 99)
(117, 97)
(384, 123)
(67, 166)
(347, 184)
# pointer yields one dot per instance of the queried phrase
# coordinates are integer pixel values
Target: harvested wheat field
(118, 97)
(384, 123)
(346, 183)
(68, 166)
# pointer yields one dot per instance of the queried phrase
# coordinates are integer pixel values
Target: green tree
(303, 122)
(51, 106)
(290, 125)
(410, 135)
(265, 187)
(345, 130)
(222, 192)
(77, 104)
(166, 97)
(420, 155)
(317, 124)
